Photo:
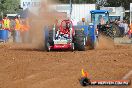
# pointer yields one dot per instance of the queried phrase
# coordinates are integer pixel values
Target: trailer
(79, 11)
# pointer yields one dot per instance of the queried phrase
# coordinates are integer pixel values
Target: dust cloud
(105, 43)
(46, 17)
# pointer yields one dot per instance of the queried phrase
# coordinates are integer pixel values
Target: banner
(30, 3)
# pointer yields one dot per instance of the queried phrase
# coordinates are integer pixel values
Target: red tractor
(65, 37)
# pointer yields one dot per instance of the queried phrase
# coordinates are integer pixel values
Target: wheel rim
(84, 41)
(48, 46)
(73, 47)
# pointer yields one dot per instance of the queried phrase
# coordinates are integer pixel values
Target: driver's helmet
(67, 25)
(100, 16)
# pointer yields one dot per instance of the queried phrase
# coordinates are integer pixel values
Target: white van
(11, 16)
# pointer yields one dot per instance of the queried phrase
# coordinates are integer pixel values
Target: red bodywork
(64, 30)
(61, 46)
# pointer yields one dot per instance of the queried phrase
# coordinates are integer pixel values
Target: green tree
(117, 3)
(78, 1)
(9, 6)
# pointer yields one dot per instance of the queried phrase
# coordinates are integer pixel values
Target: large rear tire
(50, 39)
(116, 31)
(79, 40)
(91, 42)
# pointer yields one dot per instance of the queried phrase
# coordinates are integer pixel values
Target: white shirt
(126, 27)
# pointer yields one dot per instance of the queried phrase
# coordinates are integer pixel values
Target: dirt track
(24, 67)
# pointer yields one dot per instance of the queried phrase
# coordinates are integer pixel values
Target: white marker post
(130, 13)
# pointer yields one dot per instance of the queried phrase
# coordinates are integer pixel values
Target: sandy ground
(24, 67)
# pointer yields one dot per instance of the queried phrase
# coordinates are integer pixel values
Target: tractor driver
(101, 20)
(64, 33)
(67, 25)
(66, 30)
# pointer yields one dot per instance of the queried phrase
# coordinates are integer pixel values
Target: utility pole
(70, 8)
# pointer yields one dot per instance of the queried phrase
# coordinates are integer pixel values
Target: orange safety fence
(24, 26)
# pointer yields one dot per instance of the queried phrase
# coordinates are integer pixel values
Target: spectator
(121, 28)
(25, 30)
(126, 28)
(16, 35)
(6, 25)
(130, 31)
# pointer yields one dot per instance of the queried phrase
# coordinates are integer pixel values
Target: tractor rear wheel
(79, 40)
(116, 31)
(91, 42)
(50, 40)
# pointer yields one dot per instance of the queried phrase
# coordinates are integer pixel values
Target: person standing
(130, 31)
(6, 25)
(121, 28)
(17, 36)
(126, 27)
(25, 30)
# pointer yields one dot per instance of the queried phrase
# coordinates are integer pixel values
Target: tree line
(9, 6)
